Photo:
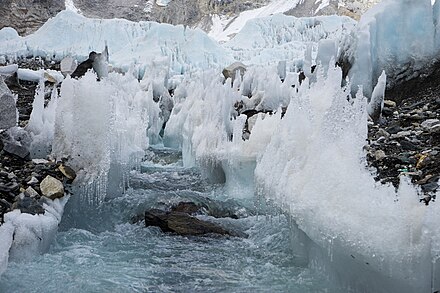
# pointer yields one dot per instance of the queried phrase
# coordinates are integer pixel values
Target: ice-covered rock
(232, 70)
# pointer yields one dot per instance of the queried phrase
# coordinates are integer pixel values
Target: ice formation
(130, 44)
(310, 163)
(24, 235)
(396, 36)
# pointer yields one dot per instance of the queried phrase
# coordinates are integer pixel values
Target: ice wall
(130, 43)
(280, 37)
(398, 36)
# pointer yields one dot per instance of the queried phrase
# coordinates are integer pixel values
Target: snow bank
(398, 36)
(130, 43)
(24, 235)
(280, 37)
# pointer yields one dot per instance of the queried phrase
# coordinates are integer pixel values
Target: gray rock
(30, 192)
(51, 187)
(8, 111)
(430, 187)
(29, 205)
(16, 150)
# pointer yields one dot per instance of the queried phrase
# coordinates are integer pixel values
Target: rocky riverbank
(26, 184)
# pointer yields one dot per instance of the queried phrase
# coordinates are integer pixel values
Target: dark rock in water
(8, 112)
(184, 224)
(16, 150)
(29, 205)
(187, 207)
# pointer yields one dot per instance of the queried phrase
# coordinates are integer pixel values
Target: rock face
(26, 16)
(52, 188)
(8, 111)
(183, 224)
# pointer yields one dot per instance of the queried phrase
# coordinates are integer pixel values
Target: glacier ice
(398, 36)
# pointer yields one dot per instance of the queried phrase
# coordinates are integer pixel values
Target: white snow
(225, 28)
(71, 6)
(163, 3)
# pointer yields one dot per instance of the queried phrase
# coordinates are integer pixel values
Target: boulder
(67, 171)
(8, 111)
(231, 70)
(51, 187)
(29, 205)
(16, 150)
(68, 65)
(184, 224)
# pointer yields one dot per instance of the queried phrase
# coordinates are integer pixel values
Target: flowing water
(98, 249)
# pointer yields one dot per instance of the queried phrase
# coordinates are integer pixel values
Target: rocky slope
(27, 16)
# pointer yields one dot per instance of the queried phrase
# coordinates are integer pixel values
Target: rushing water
(98, 250)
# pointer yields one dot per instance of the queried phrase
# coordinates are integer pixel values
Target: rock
(9, 187)
(428, 124)
(183, 224)
(52, 187)
(379, 155)
(67, 171)
(29, 205)
(8, 111)
(32, 181)
(394, 129)
(430, 187)
(16, 150)
(31, 192)
(187, 207)
(408, 146)
(68, 65)
(39, 161)
(49, 78)
(3, 87)
(389, 104)
(401, 134)
(231, 70)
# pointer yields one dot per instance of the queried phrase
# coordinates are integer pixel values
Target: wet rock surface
(184, 224)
